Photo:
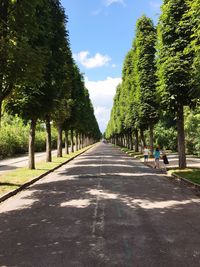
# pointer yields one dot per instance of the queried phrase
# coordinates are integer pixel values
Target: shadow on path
(105, 213)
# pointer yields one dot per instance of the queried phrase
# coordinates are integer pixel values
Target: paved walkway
(10, 164)
(103, 209)
(14, 163)
(192, 161)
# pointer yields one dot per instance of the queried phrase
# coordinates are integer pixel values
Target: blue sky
(101, 33)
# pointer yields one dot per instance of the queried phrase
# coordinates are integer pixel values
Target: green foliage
(135, 103)
(38, 77)
(14, 136)
(165, 136)
(81, 112)
(177, 84)
(21, 58)
(175, 61)
(192, 130)
(166, 133)
(146, 79)
(193, 16)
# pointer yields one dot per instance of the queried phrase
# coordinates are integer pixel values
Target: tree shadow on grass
(7, 168)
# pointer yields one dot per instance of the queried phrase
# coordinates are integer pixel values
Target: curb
(24, 186)
(188, 182)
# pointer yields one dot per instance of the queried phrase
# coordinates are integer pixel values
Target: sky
(101, 33)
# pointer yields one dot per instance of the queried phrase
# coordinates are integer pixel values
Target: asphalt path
(106, 209)
(10, 164)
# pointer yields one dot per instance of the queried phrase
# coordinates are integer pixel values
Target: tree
(27, 100)
(175, 65)
(135, 104)
(146, 73)
(193, 17)
(129, 81)
(21, 59)
(58, 74)
(114, 127)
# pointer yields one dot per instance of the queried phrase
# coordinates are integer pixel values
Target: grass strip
(16, 178)
(190, 174)
(131, 152)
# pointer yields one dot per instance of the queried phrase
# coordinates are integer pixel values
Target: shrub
(14, 136)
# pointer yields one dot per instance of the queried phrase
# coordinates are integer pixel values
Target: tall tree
(175, 64)
(193, 18)
(146, 73)
(58, 74)
(27, 100)
(20, 57)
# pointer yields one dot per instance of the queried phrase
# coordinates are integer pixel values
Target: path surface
(101, 209)
(192, 161)
(10, 164)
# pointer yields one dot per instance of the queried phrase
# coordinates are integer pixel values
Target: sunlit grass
(132, 152)
(14, 179)
(189, 174)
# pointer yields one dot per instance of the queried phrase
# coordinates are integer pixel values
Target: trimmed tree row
(39, 79)
(160, 77)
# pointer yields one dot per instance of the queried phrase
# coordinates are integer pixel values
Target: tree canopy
(160, 77)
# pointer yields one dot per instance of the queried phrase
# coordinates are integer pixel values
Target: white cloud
(97, 61)
(101, 95)
(110, 2)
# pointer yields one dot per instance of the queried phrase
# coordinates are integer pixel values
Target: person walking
(165, 159)
(146, 154)
(156, 157)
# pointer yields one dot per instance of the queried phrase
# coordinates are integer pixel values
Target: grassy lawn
(132, 152)
(189, 174)
(14, 179)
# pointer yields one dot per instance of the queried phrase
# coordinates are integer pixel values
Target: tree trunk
(4, 6)
(136, 141)
(72, 142)
(121, 140)
(143, 142)
(131, 141)
(59, 143)
(0, 112)
(151, 138)
(76, 141)
(181, 137)
(31, 147)
(126, 140)
(81, 141)
(48, 140)
(115, 140)
(66, 142)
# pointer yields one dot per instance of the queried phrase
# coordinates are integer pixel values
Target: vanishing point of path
(101, 209)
